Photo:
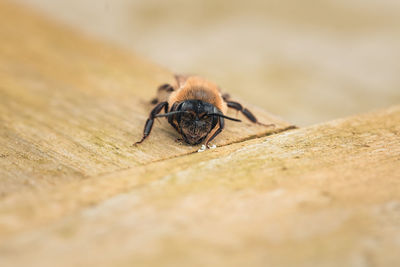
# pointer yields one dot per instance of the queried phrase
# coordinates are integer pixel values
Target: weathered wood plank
(70, 107)
(327, 195)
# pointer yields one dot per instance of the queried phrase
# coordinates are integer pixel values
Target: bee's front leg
(149, 123)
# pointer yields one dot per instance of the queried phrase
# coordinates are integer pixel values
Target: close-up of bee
(196, 109)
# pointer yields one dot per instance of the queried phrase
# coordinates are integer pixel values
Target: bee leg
(226, 97)
(149, 123)
(221, 126)
(162, 90)
(166, 87)
(246, 112)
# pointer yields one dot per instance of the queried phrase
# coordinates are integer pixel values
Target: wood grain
(71, 107)
(327, 195)
(73, 192)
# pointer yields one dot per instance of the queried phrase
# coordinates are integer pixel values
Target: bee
(196, 109)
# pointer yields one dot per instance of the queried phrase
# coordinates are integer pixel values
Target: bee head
(195, 122)
(196, 119)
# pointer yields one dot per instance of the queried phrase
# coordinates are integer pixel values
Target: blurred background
(306, 61)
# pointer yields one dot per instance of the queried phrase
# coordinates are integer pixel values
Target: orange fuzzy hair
(200, 89)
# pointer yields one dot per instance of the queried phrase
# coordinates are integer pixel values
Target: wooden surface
(74, 193)
(70, 108)
(309, 62)
(327, 195)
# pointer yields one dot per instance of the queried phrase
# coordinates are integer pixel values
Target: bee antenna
(169, 114)
(223, 116)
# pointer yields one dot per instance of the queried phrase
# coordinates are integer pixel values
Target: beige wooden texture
(327, 195)
(74, 193)
(70, 107)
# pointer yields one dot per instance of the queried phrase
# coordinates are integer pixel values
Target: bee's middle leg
(249, 115)
(162, 93)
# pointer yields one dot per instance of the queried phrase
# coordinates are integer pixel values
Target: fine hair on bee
(195, 108)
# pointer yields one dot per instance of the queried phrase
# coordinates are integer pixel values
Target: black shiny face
(195, 124)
